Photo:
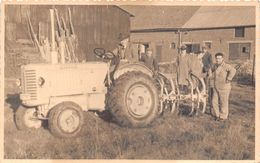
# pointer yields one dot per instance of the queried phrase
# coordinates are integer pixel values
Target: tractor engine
(48, 84)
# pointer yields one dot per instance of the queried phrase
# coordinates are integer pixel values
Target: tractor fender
(128, 67)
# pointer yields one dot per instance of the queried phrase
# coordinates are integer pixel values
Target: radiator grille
(30, 83)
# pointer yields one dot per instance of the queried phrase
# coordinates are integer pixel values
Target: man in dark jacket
(206, 60)
(149, 60)
(207, 63)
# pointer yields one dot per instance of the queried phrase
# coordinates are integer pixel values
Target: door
(245, 51)
(233, 51)
(239, 51)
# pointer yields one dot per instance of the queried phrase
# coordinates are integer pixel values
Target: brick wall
(220, 40)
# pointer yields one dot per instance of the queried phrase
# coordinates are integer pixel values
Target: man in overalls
(223, 74)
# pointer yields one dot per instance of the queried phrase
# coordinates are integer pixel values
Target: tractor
(59, 92)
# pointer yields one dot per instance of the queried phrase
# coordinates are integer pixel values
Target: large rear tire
(66, 120)
(133, 99)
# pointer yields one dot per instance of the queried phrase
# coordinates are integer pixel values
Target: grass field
(170, 137)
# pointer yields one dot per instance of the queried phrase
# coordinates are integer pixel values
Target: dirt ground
(170, 137)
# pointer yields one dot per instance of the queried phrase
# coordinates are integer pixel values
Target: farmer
(149, 60)
(207, 63)
(183, 66)
(188, 64)
(206, 59)
(223, 74)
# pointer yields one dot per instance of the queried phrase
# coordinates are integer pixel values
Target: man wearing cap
(206, 60)
(183, 66)
(149, 61)
(223, 74)
(187, 63)
(207, 63)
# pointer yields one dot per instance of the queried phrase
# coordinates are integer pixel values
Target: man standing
(187, 63)
(183, 66)
(206, 60)
(223, 74)
(207, 63)
(149, 61)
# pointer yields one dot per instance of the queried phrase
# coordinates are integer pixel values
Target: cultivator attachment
(171, 96)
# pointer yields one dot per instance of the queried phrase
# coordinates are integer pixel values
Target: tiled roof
(159, 17)
(222, 16)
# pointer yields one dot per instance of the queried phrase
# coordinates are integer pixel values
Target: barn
(95, 25)
(228, 29)
(156, 27)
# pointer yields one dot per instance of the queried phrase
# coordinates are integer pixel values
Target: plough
(171, 95)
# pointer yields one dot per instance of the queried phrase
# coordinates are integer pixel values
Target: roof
(222, 16)
(159, 17)
(131, 15)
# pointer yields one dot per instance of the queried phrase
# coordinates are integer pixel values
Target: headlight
(41, 81)
(18, 82)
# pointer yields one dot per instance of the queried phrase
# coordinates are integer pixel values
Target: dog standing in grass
(223, 74)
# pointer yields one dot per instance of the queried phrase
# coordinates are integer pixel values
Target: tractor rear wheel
(133, 99)
(65, 120)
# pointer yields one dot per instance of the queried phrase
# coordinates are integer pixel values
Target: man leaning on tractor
(223, 74)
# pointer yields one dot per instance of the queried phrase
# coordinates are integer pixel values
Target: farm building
(95, 26)
(219, 28)
(156, 27)
(223, 29)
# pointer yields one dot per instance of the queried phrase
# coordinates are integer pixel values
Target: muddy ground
(170, 136)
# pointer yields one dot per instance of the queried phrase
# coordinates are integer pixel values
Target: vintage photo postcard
(129, 80)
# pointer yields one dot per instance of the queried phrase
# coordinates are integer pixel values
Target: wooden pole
(178, 55)
(52, 30)
(179, 32)
(54, 55)
(253, 72)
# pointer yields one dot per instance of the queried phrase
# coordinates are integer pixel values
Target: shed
(95, 25)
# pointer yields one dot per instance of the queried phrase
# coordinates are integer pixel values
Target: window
(173, 46)
(193, 48)
(208, 44)
(245, 50)
(141, 46)
(240, 32)
(146, 46)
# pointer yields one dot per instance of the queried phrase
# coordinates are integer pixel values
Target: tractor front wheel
(65, 120)
(26, 118)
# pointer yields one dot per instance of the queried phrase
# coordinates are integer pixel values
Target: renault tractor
(59, 92)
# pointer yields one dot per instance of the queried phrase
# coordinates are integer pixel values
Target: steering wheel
(101, 53)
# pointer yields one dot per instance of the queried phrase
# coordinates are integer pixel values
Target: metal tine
(173, 108)
(173, 87)
(192, 105)
(198, 100)
(204, 98)
(161, 100)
